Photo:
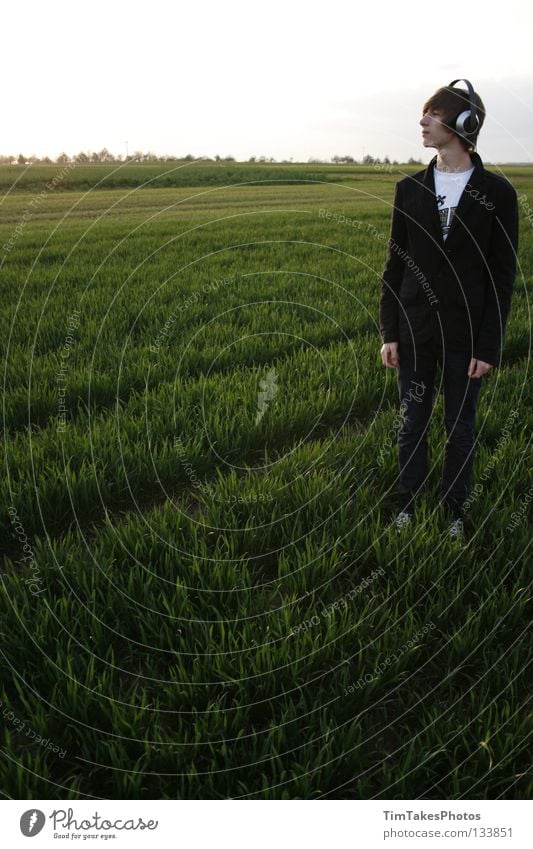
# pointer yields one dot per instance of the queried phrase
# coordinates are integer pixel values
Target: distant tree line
(105, 156)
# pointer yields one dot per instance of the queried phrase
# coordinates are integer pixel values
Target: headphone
(467, 122)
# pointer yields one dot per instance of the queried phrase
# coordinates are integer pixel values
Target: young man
(446, 293)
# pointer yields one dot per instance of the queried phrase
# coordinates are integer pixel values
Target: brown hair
(451, 101)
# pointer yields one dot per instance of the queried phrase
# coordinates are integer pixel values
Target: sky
(281, 78)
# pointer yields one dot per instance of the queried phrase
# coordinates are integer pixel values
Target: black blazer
(457, 291)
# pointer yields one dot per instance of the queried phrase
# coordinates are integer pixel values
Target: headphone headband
(467, 122)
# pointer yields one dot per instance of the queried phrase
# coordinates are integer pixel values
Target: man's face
(434, 132)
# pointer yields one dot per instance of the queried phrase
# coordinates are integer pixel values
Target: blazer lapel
(471, 192)
(428, 214)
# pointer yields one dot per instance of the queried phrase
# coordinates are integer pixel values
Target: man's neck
(453, 159)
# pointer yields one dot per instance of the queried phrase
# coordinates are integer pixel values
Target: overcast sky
(279, 78)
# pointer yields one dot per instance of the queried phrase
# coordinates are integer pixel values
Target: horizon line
(148, 157)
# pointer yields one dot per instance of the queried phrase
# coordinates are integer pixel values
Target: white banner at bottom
(260, 824)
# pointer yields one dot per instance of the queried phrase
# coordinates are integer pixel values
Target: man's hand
(389, 354)
(478, 368)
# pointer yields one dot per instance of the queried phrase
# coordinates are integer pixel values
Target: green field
(202, 596)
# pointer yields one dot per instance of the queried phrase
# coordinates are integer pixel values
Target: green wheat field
(202, 596)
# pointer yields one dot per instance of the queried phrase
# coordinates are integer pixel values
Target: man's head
(440, 112)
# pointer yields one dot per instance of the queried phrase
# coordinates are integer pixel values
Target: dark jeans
(416, 385)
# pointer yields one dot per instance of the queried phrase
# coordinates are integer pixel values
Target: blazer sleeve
(501, 262)
(392, 275)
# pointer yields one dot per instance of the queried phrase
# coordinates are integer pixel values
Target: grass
(196, 599)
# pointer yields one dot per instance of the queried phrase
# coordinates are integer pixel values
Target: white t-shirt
(449, 186)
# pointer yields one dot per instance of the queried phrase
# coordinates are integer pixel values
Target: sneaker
(403, 519)
(456, 530)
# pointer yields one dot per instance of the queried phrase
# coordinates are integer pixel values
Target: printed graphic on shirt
(449, 187)
(446, 217)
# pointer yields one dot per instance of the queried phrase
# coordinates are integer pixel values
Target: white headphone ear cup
(462, 119)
